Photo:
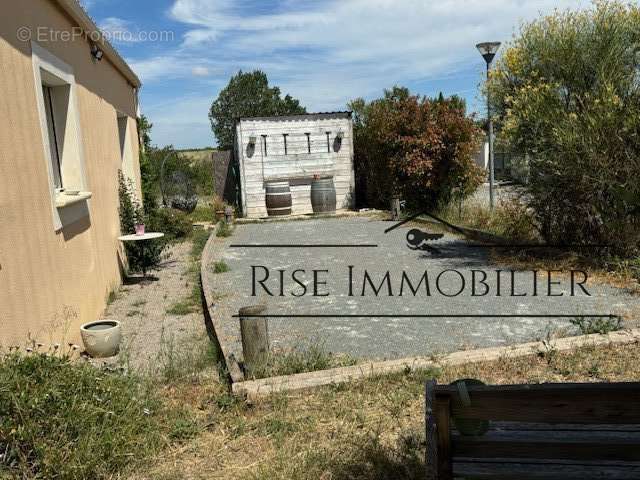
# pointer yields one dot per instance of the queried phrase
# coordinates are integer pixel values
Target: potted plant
(139, 228)
(101, 338)
(139, 220)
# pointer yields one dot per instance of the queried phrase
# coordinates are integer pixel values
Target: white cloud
(340, 48)
(200, 71)
(118, 30)
(173, 66)
(327, 53)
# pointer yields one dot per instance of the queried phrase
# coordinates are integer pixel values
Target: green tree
(148, 171)
(566, 94)
(144, 130)
(247, 94)
(417, 147)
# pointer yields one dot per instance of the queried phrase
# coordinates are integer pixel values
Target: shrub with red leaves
(417, 147)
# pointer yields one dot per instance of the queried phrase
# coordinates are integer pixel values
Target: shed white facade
(294, 149)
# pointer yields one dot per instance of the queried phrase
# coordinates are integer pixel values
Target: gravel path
(385, 334)
(148, 330)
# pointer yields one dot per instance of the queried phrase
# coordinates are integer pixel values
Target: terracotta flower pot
(101, 338)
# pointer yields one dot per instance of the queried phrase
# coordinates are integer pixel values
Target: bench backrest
(531, 414)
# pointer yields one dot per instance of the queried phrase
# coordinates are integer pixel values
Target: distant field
(197, 155)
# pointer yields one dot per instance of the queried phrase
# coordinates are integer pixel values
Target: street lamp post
(488, 51)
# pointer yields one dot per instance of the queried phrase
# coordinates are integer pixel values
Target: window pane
(53, 139)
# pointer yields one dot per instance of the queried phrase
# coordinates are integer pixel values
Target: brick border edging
(253, 389)
(211, 321)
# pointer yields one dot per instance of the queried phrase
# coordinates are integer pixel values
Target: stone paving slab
(385, 333)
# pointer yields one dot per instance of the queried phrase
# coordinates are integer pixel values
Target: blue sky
(323, 52)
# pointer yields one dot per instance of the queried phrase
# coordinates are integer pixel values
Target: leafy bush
(202, 170)
(69, 420)
(131, 213)
(417, 147)
(176, 225)
(567, 96)
(130, 210)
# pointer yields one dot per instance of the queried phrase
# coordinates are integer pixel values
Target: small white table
(140, 238)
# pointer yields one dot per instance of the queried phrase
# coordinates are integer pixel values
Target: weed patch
(305, 358)
(597, 325)
(177, 361)
(64, 419)
(224, 229)
(510, 219)
(192, 302)
(182, 307)
(112, 297)
(203, 213)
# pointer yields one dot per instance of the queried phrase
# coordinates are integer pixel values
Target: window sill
(64, 199)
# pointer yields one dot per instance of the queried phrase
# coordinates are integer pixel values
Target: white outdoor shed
(293, 149)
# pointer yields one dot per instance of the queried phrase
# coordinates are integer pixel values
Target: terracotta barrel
(278, 198)
(323, 195)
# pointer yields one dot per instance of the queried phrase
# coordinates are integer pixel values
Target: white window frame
(65, 208)
(125, 147)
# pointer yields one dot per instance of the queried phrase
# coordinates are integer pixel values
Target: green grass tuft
(224, 229)
(182, 307)
(199, 240)
(112, 297)
(308, 357)
(220, 267)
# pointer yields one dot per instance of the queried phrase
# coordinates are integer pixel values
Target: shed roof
(298, 116)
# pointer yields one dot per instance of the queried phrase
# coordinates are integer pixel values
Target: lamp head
(96, 52)
(488, 50)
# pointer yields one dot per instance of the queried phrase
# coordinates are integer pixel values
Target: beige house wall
(52, 281)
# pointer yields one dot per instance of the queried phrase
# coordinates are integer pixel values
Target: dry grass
(371, 429)
(566, 261)
(511, 220)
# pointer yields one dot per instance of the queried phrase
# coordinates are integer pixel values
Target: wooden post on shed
(255, 336)
(395, 208)
(228, 214)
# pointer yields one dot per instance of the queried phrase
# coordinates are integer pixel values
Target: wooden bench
(560, 431)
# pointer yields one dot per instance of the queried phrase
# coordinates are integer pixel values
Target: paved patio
(386, 328)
